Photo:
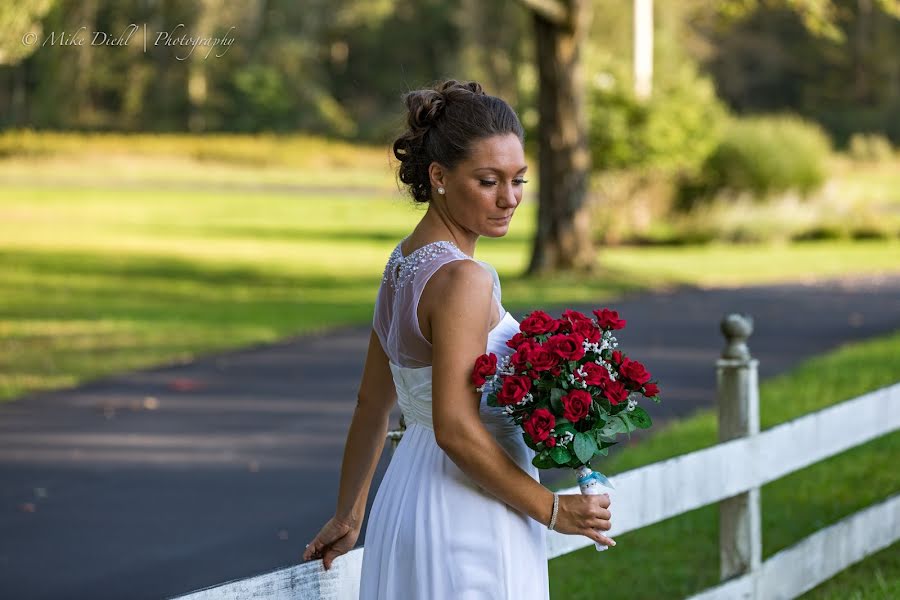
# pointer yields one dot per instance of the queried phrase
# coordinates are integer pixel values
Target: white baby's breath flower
(525, 399)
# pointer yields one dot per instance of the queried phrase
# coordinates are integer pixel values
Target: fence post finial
(737, 328)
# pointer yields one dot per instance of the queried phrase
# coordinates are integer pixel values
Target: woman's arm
(365, 442)
(368, 429)
(459, 328)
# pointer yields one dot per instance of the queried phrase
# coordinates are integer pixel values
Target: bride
(460, 512)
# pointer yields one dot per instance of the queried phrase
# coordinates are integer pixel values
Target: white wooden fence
(730, 473)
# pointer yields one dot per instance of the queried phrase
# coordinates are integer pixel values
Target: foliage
(870, 147)
(762, 155)
(768, 58)
(676, 128)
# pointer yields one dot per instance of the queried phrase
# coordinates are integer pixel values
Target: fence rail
(665, 489)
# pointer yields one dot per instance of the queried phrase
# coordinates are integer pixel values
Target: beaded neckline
(410, 263)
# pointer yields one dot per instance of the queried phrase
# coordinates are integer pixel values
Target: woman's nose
(509, 199)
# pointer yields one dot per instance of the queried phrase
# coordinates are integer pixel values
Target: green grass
(95, 281)
(679, 556)
(120, 252)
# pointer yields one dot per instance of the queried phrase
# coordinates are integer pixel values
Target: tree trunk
(563, 239)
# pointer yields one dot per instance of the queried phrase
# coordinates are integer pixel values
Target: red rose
(595, 374)
(588, 330)
(550, 442)
(617, 357)
(576, 405)
(539, 424)
(521, 355)
(537, 323)
(513, 390)
(516, 340)
(615, 392)
(573, 316)
(609, 319)
(541, 358)
(563, 326)
(485, 365)
(567, 346)
(651, 390)
(635, 371)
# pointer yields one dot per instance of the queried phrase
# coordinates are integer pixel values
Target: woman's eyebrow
(495, 169)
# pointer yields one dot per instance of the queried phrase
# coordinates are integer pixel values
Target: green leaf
(585, 446)
(555, 402)
(629, 425)
(543, 460)
(563, 428)
(640, 418)
(612, 427)
(560, 455)
(528, 441)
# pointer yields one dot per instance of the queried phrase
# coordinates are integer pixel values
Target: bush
(763, 156)
(819, 233)
(675, 129)
(870, 147)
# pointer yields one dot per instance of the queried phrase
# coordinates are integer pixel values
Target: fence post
(740, 536)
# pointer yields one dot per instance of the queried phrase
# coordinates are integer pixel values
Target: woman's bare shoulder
(464, 278)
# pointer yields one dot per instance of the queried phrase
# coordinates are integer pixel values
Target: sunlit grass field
(118, 253)
(679, 556)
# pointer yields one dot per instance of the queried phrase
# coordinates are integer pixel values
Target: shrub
(676, 128)
(766, 155)
(819, 233)
(870, 147)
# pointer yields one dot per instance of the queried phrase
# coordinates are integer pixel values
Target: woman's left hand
(335, 538)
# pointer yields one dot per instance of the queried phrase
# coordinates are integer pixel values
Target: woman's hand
(584, 515)
(335, 538)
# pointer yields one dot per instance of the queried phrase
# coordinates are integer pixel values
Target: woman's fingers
(310, 551)
(599, 537)
(329, 557)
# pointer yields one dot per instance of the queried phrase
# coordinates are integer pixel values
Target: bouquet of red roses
(569, 389)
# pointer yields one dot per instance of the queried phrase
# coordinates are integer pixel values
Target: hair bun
(424, 107)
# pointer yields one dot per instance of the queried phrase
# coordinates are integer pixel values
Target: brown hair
(443, 122)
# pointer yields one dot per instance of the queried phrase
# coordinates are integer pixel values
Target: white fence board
(819, 557)
(671, 487)
(307, 581)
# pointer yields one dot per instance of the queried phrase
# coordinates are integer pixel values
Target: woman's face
(483, 192)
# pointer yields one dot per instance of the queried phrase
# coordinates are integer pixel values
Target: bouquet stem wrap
(589, 482)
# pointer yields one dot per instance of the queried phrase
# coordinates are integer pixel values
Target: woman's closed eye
(487, 182)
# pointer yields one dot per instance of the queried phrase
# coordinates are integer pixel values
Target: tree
(563, 238)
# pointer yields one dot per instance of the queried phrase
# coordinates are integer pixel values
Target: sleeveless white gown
(433, 533)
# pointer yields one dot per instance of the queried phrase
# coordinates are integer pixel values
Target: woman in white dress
(460, 512)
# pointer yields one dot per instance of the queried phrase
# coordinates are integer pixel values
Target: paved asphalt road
(156, 483)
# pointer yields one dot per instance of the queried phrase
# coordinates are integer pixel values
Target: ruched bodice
(414, 386)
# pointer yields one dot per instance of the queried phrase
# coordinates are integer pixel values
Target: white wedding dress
(433, 533)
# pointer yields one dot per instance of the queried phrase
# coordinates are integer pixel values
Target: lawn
(679, 556)
(122, 252)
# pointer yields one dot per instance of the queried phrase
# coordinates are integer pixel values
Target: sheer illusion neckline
(442, 243)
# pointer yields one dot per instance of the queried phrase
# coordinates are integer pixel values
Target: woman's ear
(437, 174)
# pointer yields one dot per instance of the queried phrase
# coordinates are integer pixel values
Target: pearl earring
(440, 190)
